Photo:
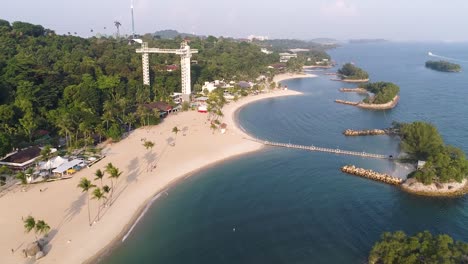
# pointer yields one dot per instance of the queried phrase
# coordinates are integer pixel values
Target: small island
(422, 248)
(443, 66)
(381, 96)
(441, 169)
(352, 73)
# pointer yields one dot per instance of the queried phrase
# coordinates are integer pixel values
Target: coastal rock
(39, 255)
(32, 249)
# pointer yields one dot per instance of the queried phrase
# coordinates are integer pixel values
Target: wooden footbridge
(320, 149)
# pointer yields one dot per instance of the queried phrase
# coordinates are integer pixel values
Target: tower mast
(133, 22)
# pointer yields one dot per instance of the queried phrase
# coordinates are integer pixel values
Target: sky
(400, 20)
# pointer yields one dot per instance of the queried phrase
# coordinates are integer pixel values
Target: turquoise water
(292, 206)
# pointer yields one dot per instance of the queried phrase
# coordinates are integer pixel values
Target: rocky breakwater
(353, 90)
(346, 102)
(367, 132)
(370, 174)
(385, 106)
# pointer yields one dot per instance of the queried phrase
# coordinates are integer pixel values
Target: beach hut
(52, 163)
(68, 167)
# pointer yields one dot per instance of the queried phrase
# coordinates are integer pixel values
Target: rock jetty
(366, 132)
(370, 174)
(353, 90)
(346, 102)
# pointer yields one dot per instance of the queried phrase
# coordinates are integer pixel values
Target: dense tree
(443, 66)
(352, 72)
(5, 144)
(395, 248)
(422, 141)
(383, 92)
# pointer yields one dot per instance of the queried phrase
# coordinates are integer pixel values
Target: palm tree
(86, 185)
(175, 130)
(46, 154)
(117, 25)
(22, 177)
(42, 227)
(106, 189)
(99, 175)
(114, 174)
(148, 144)
(98, 194)
(29, 224)
(109, 167)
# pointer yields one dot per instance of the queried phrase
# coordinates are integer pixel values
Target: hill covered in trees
(422, 141)
(395, 248)
(443, 66)
(351, 72)
(384, 92)
(171, 34)
(79, 88)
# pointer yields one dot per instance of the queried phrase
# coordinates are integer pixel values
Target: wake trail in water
(443, 57)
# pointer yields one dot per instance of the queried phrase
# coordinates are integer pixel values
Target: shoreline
(288, 76)
(63, 206)
(417, 188)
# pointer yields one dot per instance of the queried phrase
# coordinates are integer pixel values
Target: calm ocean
(292, 206)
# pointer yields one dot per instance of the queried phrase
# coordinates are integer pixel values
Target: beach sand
(286, 76)
(145, 172)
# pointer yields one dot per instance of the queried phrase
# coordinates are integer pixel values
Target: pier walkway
(320, 149)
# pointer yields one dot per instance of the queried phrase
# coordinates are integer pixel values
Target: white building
(266, 51)
(261, 38)
(210, 86)
(285, 57)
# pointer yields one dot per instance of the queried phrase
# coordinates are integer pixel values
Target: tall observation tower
(133, 21)
(185, 53)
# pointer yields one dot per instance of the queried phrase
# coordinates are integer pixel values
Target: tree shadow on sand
(74, 209)
(133, 169)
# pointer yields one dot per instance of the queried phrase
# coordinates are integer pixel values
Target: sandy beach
(286, 76)
(145, 173)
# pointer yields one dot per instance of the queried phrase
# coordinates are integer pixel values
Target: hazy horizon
(395, 20)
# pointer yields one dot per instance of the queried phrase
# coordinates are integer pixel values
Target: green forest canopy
(422, 141)
(396, 248)
(444, 66)
(384, 92)
(77, 87)
(352, 72)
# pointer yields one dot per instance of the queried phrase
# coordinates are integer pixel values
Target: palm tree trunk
(99, 211)
(112, 192)
(89, 214)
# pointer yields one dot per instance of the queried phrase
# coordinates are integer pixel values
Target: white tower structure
(185, 54)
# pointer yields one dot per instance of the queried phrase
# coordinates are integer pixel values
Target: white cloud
(339, 8)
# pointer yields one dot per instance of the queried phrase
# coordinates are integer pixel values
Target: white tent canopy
(52, 163)
(68, 165)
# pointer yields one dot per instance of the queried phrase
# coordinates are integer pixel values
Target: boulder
(39, 255)
(33, 248)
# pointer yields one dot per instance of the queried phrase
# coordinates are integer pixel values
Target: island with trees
(381, 95)
(351, 73)
(442, 169)
(424, 247)
(443, 66)
(384, 95)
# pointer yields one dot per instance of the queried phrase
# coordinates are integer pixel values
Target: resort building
(22, 159)
(285, 57)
